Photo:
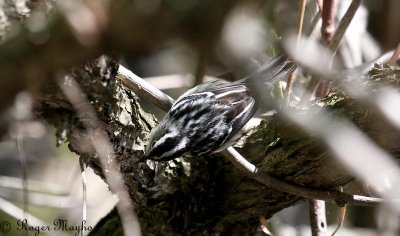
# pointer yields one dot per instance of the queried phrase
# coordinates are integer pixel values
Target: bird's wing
(242, 107)
(277, 68)
(204, 88)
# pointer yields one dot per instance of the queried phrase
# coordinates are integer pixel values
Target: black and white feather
(207, 118)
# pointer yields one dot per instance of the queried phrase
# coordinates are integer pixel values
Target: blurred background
(41, 179)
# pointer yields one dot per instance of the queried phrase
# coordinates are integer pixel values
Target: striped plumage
(206, 118)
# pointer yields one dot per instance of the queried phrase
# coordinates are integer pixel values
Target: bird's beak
(145, 155)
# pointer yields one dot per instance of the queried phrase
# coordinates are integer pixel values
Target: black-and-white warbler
(207, 118)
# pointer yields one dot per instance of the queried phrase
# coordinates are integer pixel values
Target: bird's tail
(276, 69)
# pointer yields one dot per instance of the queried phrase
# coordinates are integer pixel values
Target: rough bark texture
(204, 195)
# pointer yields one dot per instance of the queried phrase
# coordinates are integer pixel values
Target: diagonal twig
(395, 56)
(144, 89)
(343, 25)
(101, 144)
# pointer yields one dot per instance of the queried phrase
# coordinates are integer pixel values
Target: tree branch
(317, 217)
(246, 167)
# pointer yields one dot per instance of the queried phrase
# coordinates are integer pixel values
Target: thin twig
(327, 30)
(338, 197)
(22, 160)
(32, 185)
(364, 68)
(43, 199)
(247, 168)
(348, 80)
(239, 161)
(175, 81)
(341, 219)
(300, 22)
(146, 90)
(313, 23)
(333, 42)
(25, 218)
(328, 21)
(395, 56)
(317, 217)
(84, 184)
(343, 25)
(100, 141)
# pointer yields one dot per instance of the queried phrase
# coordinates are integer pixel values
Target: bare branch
(300, 19)
(328, 21)
(144, 89)
(317, 217)
(18, 213)
(313, 23)
(329, 195)
(343, 25)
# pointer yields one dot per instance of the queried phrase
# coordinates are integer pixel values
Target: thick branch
(145, 90)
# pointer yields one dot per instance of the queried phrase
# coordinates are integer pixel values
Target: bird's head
(165, 143)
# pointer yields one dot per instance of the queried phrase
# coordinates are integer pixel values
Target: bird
(207, 118)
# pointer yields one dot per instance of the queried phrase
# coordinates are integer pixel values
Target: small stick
(341, 219)
(146, 90)
(300, 22)
(84, 183)
(317, 217)
(327, 30)
(395, 56)
(22, 160)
